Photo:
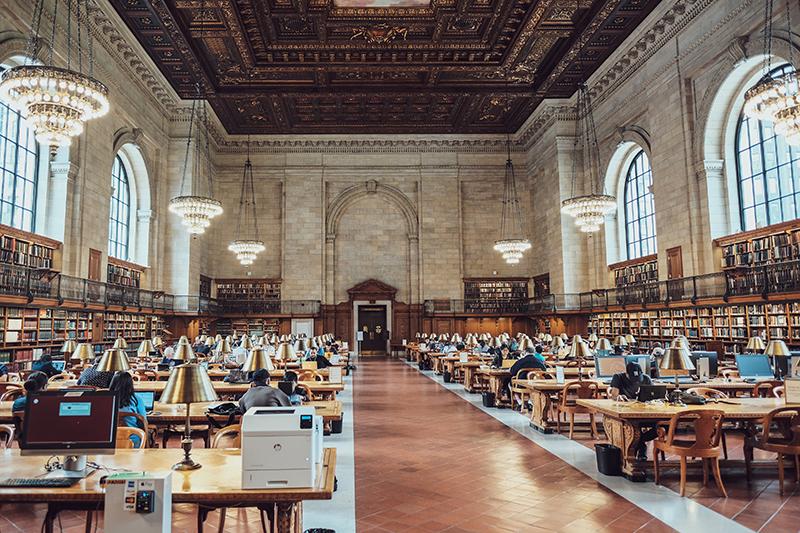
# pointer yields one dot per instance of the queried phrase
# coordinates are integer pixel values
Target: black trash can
(447, 377)
(320, 530)
(609, 459)
(488, 399)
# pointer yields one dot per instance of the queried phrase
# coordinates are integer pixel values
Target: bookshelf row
(731, 325)
(248, 289)
(635, 272)
(251, 326)
(132, 327)
(18, 251)
(495, 289)
(27, 333)
(774, 244)
(123, 275)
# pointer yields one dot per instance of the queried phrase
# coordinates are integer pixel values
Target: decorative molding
(352, 194)
(355, 144)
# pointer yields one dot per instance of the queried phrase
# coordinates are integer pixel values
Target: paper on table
(791, 390)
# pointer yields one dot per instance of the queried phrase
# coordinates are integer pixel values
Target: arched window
(640, 214)
(120, 215)
(18, 164)
(767, 172)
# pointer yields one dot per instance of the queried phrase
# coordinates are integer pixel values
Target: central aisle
(425, 460)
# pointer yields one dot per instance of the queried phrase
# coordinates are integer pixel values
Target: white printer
(281, 447)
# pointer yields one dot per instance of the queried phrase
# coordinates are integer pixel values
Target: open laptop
(754, 367)
(652, 392)
(59, 365)
(606, 367)
(148, 398)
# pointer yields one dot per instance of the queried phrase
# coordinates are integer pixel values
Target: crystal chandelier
(196, 211)
(56, 101)
(787, 119)
(588, 210)
(512, 243)
(771, 96)
(247, 250)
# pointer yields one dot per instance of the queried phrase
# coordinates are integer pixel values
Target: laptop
(508, 363)
(59, 365)
(606, 367)
(754, 367)
(652, 392)
(237, 376)
(148, 398)
(287, 387)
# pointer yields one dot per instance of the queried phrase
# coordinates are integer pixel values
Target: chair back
(706, 425)
(11, 394)
(787, 422)
(308, 375)
(729, 373)
(763, 389)
(778, 391)
(707, 393)
(7, 433)
(141, 422)
(146, 375)
(307, 389)
(124, 438)
(540, 374)
(229, 433)
(64, 376)
(578, 390)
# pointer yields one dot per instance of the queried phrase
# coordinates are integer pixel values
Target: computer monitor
(642, 360)
(73, 423)
(148, 399)
(59, 365)
(606, 367)
(787, 367)
(713, 363)
(754, 366)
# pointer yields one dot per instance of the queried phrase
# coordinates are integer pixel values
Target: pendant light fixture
(246, 250)
(588, 210)
(787, 119)
(770, 96)
(512, 243)
(57, 101)
(195, 210)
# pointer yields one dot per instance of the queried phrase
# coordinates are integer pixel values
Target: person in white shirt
(169, 351)
(448, 348)
(238, 356)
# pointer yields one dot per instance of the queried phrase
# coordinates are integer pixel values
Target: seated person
(261, 394)
(331, 347)
(460, 347)
(93, 378)
(482, 347)
(528, 362)
(169, 351)
(122, 386)
(501, 353)
(448, 348)
(299, 394)
(625, 386)
(322, 361)
(45, 364)
(204, 349)
(36, 382)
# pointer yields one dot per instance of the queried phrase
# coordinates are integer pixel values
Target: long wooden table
(622, 422)
(219, 375)
(217, 484)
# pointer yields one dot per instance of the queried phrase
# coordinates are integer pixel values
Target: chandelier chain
(188, 144)
(53, 33)
(79, 43)
(252, 193)
(34, 37)
(69, 34)
(789, 29)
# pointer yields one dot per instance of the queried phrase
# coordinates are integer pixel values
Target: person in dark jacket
(92, 377)
(261, 394)
(45, 365)
(529, 362)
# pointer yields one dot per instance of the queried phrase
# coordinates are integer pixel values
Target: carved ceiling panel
(379, 66)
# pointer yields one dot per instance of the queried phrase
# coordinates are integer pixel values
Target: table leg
(625, 435)
(468, 371)
(287, 519)
(496, 385)
(540, 413)
(50, 517)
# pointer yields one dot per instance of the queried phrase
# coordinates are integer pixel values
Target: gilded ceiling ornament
(380, 34)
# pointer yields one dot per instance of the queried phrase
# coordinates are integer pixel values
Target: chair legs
(724, 446)
(656, 472)
(223, 512)
(683, 475)
(718, 477)
(705, 471)
(748, 457)
(780, 473)
(571, 424)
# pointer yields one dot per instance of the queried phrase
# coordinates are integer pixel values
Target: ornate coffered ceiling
(394, 66)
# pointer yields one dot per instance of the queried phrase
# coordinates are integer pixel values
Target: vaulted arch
(352, 194)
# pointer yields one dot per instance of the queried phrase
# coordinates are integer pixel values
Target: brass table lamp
(113, 360)
(620, 340)
(579, 351)
(755, 345)
(188, 383)
(83, 353)
(678, 362)
(120, 343)
(256, 360)
(184, 352)
(775, 349)
(145, 348)
(603, 344)
(69, 346)
(285, 353)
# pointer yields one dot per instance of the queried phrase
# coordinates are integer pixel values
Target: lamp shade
(755, 344)
(113, 360)
(455, 338)
(183, 352)
(676, 361)
(681, 342)
(188, 383)
(540, 336)
(69, 346)
(209, 341)
(83, 352)
(777, 348)
(630, 338)
(443, 337)
(577, 339)
(548, 338)
(301, 345)
(524, 344)
(246, 342)
(619, 340)
(184, 340)
(120, 343)
(564, 337)
(593, 337)
(494, 342)
(603, 344)
(557, 343)
(285, 352)
(417, 335)
(273, 339)
(579, 350)
(145, 348)
(313, 344)
(217, 338)
(256, 360)
(157, 341)
(225, 346)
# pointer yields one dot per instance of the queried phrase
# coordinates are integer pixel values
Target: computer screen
(754, 366)
(147, 398)
(642, 360)
(70, 422)
(605, 367)
(712, 361)
(59, 365)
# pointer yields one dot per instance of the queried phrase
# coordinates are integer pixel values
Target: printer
(281, 447)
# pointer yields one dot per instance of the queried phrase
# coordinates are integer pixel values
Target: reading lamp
(113, 360)
(183, 352)
(620, 340)
(120, 344)
(603, 344)
(777, 348)
(285, 353)
(579, 351)
(69, 346)
(256, 360)
(145, 348)
(677, 361)
(755, 345)
(188, 383)
(247, 344)
(593, 337)
(83, 353)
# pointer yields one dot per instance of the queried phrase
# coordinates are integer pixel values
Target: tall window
(768, 172)
(19, 168)
(640, 214)
(119, 219)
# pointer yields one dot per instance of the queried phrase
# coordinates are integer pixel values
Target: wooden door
(372, 323)
(674, 263)
(95, 259)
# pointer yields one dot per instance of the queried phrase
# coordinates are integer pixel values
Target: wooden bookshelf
(124, 273)
(261, 290)
(772, 244)
(541, 285)
(729, 325)
(132, 327)
(250, 326)
(205, 286)
(26, 333)
(496, 295)
(26, 249)
(635, 271)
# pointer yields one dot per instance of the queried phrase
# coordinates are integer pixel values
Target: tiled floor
(428, 461)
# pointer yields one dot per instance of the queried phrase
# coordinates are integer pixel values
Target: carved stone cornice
(369, 145)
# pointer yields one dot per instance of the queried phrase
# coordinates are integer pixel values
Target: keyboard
(40, 482)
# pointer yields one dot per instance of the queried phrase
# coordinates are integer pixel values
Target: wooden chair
(763, 389)
(64, 376)
(707, 429)
(572, 391)
(12, 394)
(141, 423)
(307, 389)
(713, 394)
(309, 375)
(729, 373)
(7, 434)
(786, 441)
(124, 435)
(519, 391)
(778, 391)
(147, 375)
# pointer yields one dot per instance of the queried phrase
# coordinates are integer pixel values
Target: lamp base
(186, 464)
(186, 444)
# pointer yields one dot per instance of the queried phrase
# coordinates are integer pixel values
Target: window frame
(114, 223)
(632, 209)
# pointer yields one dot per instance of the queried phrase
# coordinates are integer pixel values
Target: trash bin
(447, 377)
(320, 530)
(488, 399)
(609, 459)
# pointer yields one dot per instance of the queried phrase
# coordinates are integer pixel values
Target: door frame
(367, 303)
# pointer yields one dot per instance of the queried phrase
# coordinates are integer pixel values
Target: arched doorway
(372, 302)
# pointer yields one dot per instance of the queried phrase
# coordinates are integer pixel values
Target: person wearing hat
(625, 386)
(261, 394)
